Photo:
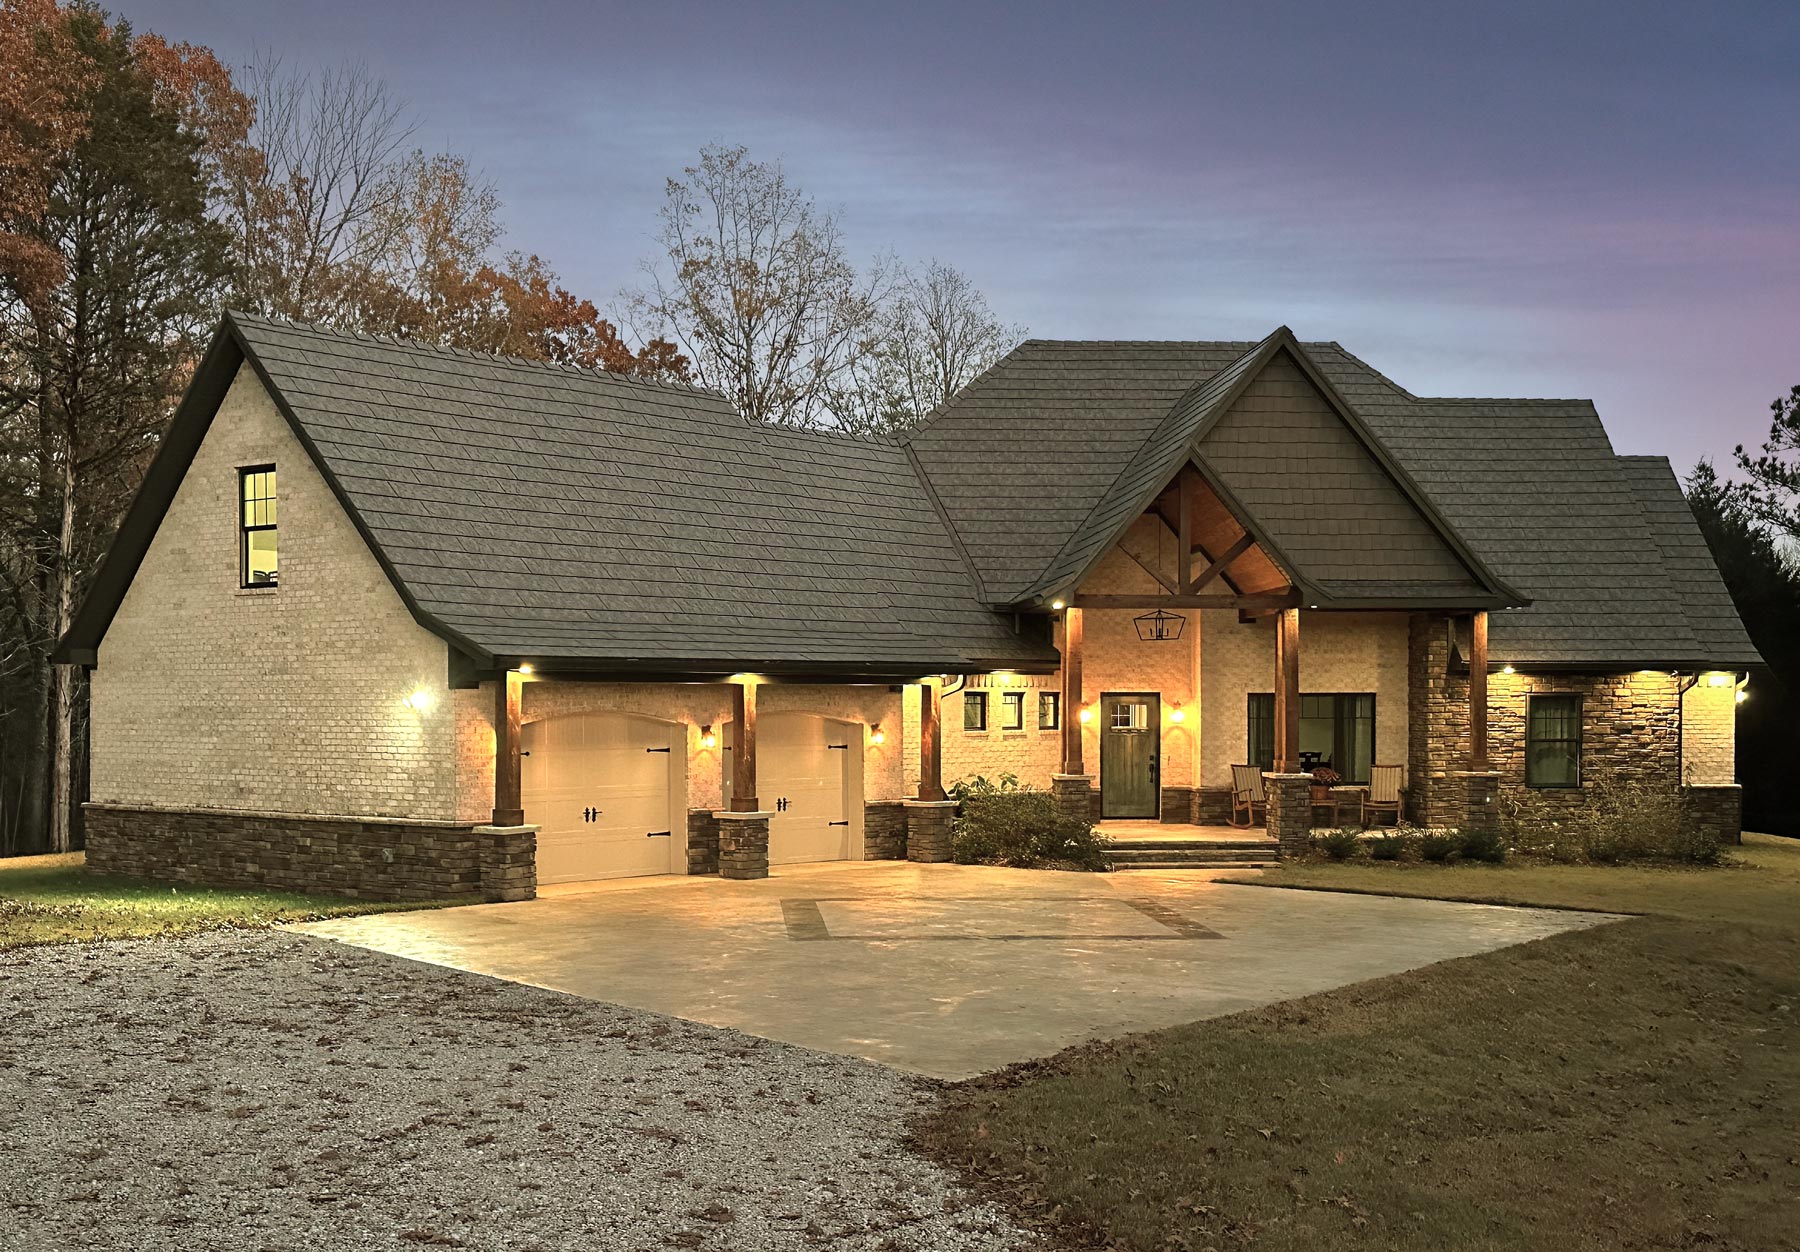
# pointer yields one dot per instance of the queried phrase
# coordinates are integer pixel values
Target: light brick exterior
(288, 700)
(1709, 730)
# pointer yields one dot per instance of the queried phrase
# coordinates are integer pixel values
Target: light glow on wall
(1507, 669)
(1718, 680)
(525, 669)
(876, 734)
(707, 738)
(418, 701)
(1177, 714)
(1086, 715)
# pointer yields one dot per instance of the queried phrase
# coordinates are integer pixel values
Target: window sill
(268, 590)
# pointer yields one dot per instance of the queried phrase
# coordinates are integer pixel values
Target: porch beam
(931, 751)
(1478, 692)
(1256, 600)
(1155, 511)
(509, 800)
(1244, 543)
(743, 754)
(1071, 691)
(1287, 691)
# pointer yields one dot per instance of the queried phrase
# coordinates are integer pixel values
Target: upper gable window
(257, 566)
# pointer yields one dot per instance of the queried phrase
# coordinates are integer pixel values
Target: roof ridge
(443, 349)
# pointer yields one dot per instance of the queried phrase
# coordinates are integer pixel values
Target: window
(974, 710)
(256, 526)
(1553, 741)
(1012, 710)
(1131, 715)
(1049, 710)
(1337, 730)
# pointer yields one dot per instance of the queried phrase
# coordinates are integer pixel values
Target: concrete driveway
(946, 970)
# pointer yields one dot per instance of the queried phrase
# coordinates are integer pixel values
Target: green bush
(1008, 824)
(1606, 823)
(1339, 845)
(1486, 846)
(1391, 847)
(1442, 846)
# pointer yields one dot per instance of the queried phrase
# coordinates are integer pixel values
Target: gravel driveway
(268, 1091)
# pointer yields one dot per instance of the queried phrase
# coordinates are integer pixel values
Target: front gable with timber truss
(1267, 491)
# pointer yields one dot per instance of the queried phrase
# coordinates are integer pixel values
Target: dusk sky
(1528, 199)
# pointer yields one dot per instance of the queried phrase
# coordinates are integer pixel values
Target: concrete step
(1262, 864)
(1193, 855)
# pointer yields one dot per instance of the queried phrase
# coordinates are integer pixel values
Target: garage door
(601, 787)
(808, 777)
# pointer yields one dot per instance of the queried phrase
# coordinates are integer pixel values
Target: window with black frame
(975, 710)
(1337, 731)
(1553, 740)
(257, 565)
(1012, 710)
(1049, 710)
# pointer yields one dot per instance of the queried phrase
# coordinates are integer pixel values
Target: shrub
(1339, 845)
(1442, 846)
(1485, 846)
(1021, 827)
(1606, 823)
(1391, 847)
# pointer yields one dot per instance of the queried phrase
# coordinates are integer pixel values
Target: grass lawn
(1633, 1086)
(52, 899)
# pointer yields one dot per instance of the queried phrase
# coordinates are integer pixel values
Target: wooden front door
(1130, 754)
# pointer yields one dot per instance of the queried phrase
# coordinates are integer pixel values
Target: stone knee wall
(884, 831)
(702, 842)
(327, 856)
(1714, 810)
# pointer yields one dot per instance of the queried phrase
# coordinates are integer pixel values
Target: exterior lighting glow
(1742, 696)
(525, 669)
(418, 701)
(1178, 714)
(707, 738)
(1086, 715)
(877, 734)
(1718, 680)
(1507, 669)
(1058, 605)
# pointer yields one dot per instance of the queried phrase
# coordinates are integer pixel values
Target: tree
(1771, 492)
(933, 336)
(755, 288)
(99, 343)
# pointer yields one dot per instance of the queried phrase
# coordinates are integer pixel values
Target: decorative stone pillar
(743, 845)
(1289, 811)
(884, 830)
(1714, 809)
(1481, 808)
(928, 830)
(1073, 792)
(702, 842)
(508, 859)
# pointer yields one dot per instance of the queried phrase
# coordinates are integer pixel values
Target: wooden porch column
(1071, 692)
(743, 754)
(1478, 692)
(1287, 691)
(931, 738)
(508, 795)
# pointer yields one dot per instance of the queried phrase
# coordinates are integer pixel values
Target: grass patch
(53, 899)
(1632, 1086)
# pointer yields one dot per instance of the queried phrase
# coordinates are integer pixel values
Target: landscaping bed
(1630, 1086)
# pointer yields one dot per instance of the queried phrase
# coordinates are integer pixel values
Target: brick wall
(362, 860)
(1709, 730)
(288, 699)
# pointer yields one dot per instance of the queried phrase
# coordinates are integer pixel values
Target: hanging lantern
(1160, 625)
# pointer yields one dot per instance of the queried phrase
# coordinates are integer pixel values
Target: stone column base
(1073, 794)
(928, 830)
(743, 844)
(1714, 809)
(1480, 809)
(1289, 812)
(702, 842)
(508, 862)
(884, 830)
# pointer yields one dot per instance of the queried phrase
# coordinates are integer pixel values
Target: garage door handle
(657, 750)
(837, 823)
(656, 834)
(838, 747)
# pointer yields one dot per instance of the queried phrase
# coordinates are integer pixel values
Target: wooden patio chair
(1384, 792)
(1247, 795)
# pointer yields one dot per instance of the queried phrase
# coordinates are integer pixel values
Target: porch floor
(1146, 830)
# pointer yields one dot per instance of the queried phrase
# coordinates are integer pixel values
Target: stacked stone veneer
(928, 829)
(884, 831)
(1289, 819)
(743, 845)
(1714, 810)
(702, 842)
(371, 860)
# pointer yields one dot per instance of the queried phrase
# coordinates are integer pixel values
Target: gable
(1285, 456)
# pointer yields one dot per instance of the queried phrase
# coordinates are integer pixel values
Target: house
(399, 621)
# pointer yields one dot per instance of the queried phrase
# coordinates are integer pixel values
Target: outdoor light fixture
(1086, 715)
(1718, 680)
(1159, 626)
(1058, 605)
(707, 738)
(1178, 714)
(1507, 669)
(877, 734)
(418, 701)
(524, 669)
(1742, 695)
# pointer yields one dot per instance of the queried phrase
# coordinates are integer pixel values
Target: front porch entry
(1130, 754)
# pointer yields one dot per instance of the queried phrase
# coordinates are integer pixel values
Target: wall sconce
(1086, 714)
(418, 701)
(707, 738)
(877, 734)
(1178, 715)
(1742, 695)
(1058, 605)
